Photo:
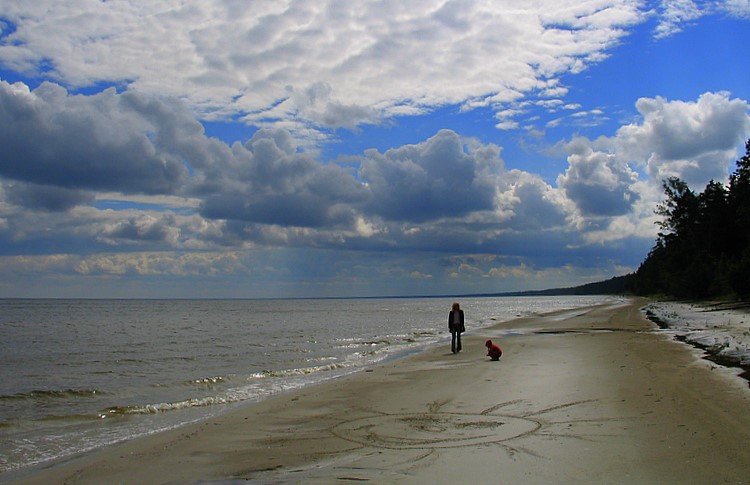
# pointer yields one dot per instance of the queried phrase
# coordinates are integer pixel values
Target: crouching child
(493, 351)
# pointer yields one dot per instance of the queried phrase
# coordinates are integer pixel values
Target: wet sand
(594, 395)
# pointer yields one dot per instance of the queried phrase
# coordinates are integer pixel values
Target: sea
(77, 375)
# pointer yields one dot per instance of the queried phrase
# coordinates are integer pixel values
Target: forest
(703, 246)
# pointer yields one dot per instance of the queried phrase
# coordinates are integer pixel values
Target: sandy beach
(593, 395)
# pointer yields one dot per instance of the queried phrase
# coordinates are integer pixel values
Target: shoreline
(719, 330)
(185, 376)
(585, 393)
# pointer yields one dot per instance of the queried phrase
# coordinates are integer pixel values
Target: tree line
(703, 246)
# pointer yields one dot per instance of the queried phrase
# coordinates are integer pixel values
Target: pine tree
(703, 247)
(739, 208)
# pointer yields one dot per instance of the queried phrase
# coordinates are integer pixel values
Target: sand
(595, 396)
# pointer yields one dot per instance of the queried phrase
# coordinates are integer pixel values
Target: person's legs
(453, 342)
(458, 342)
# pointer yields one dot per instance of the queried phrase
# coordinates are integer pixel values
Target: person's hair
(456, 306)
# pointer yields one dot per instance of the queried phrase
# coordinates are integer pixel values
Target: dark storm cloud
(83, 142)
(268, 182)
(303, 210)
(46, 198)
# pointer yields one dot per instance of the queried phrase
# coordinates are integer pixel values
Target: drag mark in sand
(572, 428)
(438, 429)
(517, 427)
(433, 430)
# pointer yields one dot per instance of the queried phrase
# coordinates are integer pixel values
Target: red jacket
(493, 350)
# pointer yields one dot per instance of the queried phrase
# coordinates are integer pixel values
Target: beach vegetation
(703, 245)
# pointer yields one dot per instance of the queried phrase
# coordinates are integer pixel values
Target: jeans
(455, 342)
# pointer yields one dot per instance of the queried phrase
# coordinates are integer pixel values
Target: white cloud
(520, 271)
(597, 182)
(696, 141)
(433, 179)
(739, 8)
(692, 140)
(323, 62)
(507, 125)
(144, 227)
(162, 263)
(530, 204)
(675, 13)
(446, 194)
(131, 167)
(140, 152)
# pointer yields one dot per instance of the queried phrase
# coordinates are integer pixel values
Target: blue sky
(321, 148)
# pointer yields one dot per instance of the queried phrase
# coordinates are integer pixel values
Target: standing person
(456, 327)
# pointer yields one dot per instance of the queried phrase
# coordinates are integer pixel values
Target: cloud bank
(73, 158)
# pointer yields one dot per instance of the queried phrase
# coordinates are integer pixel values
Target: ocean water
(76, 375)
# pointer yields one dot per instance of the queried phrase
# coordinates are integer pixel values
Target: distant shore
(592, 394)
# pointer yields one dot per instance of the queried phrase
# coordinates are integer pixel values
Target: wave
(69, 418)
(208, 381)
(48, 421)
(53, 395)
(168, 406)
(391, 340)
(425, 333)
(229, 397)
(302, 371)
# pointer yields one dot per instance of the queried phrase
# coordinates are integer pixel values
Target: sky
(320, 148)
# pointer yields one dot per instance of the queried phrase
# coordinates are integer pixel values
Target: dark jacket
(461, 328)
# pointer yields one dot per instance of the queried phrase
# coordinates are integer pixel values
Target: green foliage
(703, 248)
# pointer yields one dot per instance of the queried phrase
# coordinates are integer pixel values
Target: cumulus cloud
(692, 140)
(598, 183)
(442, 192)
(446, 194)
(533, 204)
(275, 184)
(101, 142)
(131, 168)
(269, 191)
(143, 228)
(433, 179)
